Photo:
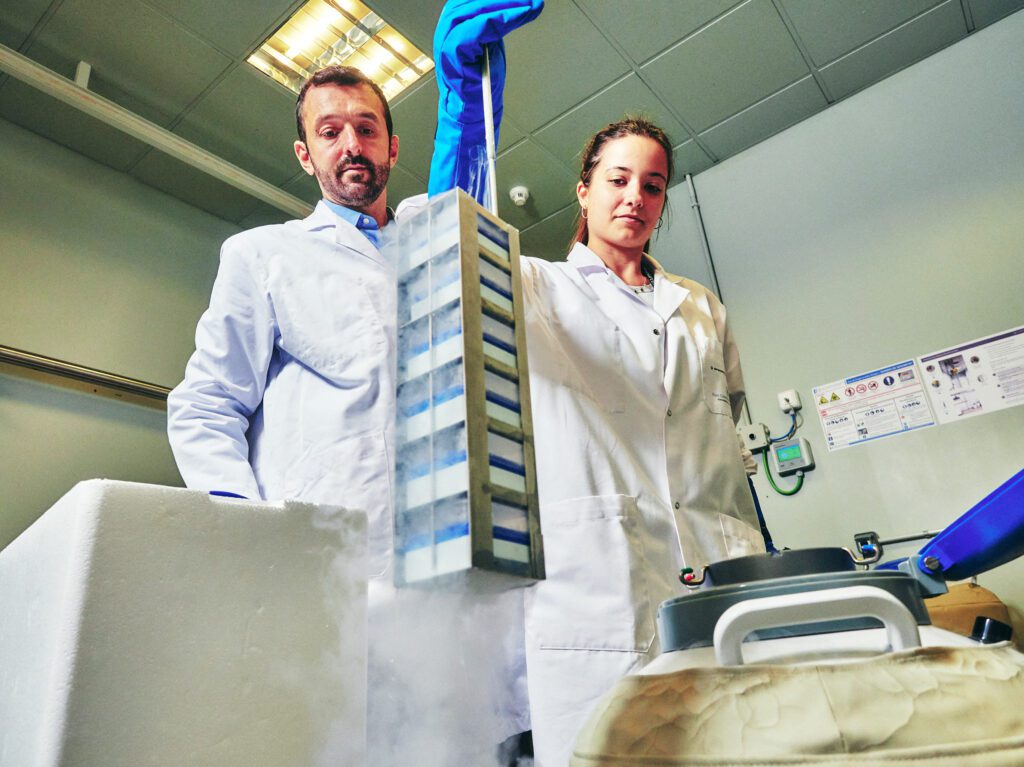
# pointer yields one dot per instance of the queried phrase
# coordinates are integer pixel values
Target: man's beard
(353, 194)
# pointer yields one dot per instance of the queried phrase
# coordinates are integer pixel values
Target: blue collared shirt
(367, 225)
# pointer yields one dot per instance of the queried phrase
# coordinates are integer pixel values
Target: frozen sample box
(466, 496)
(144, 625)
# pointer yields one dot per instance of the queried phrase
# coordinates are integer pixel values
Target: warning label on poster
(872, 405)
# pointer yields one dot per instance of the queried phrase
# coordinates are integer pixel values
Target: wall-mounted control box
(792, 455)
(754, 436)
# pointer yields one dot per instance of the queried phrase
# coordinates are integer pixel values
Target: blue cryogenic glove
(465, 30)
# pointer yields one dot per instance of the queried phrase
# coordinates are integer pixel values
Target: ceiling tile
(190, 184)
(403, 184)
(984, 12)
(903, 46)
(728, 68)
(70, 127)
(555, 62)
(551, 185)
(237, 27)
(688, 157)
(830, 28)
(566, 136)
(509, 133)
(766, 118)
(549, 239)
(404, 169)
(647, 28)
(18, 19)
(415, 118)
(738, 60)
(415, 19)
(265, 146)
(139, 57)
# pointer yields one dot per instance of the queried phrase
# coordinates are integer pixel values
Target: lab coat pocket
(713, 380)
(595, 596)
(328, 322)
(589, 360)
(353, 473)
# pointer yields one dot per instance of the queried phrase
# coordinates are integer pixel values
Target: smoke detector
(519, 195)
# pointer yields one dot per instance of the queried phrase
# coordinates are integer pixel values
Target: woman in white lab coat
(635, 384)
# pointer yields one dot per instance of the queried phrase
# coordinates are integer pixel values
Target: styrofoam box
(145, 625)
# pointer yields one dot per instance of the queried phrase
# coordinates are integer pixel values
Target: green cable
(771, 480)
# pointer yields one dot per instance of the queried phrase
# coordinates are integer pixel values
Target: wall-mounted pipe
(39, 77)
(705, 246)
(95, 381)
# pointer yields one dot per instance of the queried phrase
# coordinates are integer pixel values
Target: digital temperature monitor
(792, 455)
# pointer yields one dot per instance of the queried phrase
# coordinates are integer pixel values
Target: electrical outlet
(789, 401)
(754, 436)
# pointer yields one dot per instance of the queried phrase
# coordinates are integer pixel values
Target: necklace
(648, 272)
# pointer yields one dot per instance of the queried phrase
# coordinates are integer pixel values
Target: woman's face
(626, 194)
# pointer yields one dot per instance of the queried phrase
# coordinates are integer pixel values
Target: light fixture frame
(348, 32)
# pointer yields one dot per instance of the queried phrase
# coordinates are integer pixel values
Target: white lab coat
(291, 390)
(290, 394)
(639, 474)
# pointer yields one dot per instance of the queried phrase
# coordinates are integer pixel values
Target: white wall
(102, 271)
(888, 226)
(678, 246)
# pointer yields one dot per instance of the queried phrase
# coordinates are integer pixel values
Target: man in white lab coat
(290, 394)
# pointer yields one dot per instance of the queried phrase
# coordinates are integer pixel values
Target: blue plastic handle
(227, 494)
(989, 534)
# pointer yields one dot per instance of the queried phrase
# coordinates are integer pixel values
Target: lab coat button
(657, 332)
(676, 504)
(670, 413)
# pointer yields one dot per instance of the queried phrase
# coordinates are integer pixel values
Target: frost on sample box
(466, 500)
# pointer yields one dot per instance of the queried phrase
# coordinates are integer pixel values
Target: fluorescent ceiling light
(325, 32)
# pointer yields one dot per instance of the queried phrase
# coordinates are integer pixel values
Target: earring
(583, 212)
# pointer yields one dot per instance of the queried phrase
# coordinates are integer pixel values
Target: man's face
(347, 146)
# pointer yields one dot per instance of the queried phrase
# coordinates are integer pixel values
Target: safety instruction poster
(978, 377)
(872, 405)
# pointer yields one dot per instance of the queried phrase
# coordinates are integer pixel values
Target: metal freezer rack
(466, 495)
